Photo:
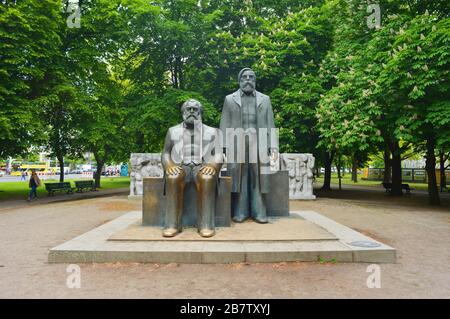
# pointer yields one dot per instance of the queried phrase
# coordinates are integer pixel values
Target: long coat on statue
(232, 118)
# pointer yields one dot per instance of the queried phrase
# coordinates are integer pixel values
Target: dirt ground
(419, 233)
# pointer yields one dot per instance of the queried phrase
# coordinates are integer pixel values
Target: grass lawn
(346, 180)
(20, 190)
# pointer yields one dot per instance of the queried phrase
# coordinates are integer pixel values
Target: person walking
(24, 176)
(34, 183)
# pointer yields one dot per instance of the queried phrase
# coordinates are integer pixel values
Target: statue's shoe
(261, 219)
(240, 219)
(207, 232)
(170, 232)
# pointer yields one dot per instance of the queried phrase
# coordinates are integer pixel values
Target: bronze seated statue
(190, 156)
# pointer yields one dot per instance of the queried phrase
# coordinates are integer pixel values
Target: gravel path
(420, 234)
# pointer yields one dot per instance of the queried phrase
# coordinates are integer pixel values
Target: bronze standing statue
(189, 156)
(248, 117)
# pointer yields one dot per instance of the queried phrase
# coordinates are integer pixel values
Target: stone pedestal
(302, 197)
(277, 200)
(154, 203)
(304, 236)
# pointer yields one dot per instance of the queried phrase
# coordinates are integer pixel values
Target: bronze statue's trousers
(206, 197)
(250, 201)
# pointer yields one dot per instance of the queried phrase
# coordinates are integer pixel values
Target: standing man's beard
(247, 87)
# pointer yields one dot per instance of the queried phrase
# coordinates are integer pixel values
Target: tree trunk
(328, 160)
(180, 73)
(354, 169)
(338, 168)
(176, 75)
(430, 166)
(140, 141)
(396, 163)
(387, 166)
(61, 168)
(443, 183)
(317, 172)
(98, 174)
(173, 70)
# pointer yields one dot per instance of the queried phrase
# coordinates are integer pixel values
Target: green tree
(95, 67)
(58, 113)
(419, 73)
(29, 40)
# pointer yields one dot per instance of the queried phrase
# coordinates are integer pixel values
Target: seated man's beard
(191, 119)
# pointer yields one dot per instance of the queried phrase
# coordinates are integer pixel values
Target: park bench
(80, 185)
(388, 187)
(51, 188)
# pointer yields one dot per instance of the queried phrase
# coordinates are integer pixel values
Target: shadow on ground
(377, 196)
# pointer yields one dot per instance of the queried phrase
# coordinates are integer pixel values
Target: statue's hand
(174, 170)
(207, 170)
